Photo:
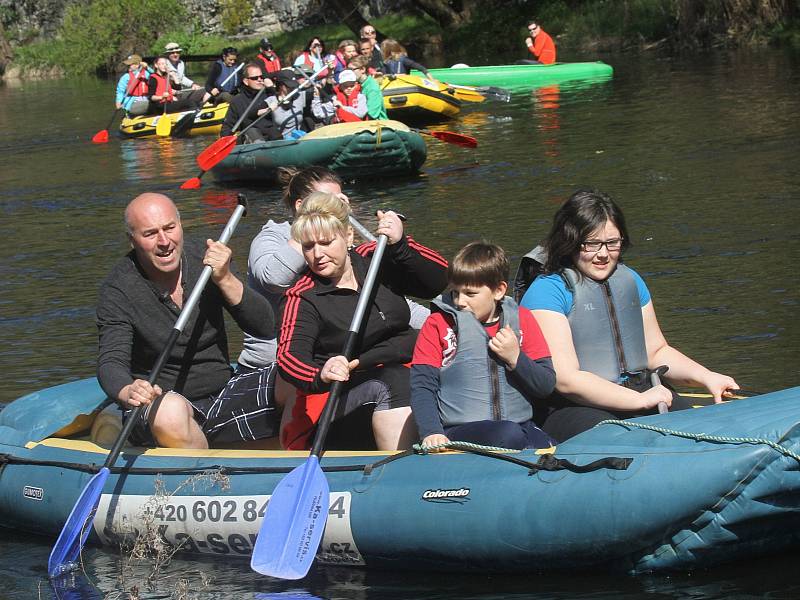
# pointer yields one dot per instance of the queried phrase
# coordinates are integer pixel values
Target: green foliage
(235, 14)
(98, 35)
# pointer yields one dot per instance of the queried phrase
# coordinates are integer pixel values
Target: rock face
(26, 20)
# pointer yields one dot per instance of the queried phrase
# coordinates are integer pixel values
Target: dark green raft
(358, 150)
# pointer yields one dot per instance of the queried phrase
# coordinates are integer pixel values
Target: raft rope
(705, 437)
(546, 462)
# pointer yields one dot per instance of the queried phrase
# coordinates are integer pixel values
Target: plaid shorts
(244, 410)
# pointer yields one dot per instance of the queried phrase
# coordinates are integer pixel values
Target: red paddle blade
(191, 184)
(101, 137)
(212, 155)
(455, 138)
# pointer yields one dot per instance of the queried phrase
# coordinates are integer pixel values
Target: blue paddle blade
(77, 528)
(293, 525)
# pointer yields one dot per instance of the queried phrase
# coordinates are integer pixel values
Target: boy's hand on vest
(506, 346)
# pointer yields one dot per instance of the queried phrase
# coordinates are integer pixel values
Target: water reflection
(152, 159)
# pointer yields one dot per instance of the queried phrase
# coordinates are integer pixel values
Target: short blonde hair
(321, 215)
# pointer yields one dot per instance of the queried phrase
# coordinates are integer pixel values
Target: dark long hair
(299, 183)
(575, 220)
(321, 43)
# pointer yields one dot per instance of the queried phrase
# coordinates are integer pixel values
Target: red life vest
(270, 66)
(345, 116)
(309, 64)
(163, 89)
(137, 83)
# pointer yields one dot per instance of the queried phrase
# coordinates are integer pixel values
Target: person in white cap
(177, 68)
(351, 104)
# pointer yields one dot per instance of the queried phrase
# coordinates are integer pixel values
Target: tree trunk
(348, 12)
(6, 53)
(448, 14)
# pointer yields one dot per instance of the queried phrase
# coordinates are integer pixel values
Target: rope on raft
(705, 437)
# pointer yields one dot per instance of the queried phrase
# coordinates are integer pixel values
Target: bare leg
(173, 425)
(394, 429)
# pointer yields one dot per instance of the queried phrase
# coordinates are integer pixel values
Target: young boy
(480, 360)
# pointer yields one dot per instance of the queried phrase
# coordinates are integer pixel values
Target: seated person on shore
(598, 319)
(223, 78)
(369, 87)
(372, 56)
(396, 61)
(347, 49)
(253, 82)
(316, 314)
(541, 45)
(132, 90)
(346, 104)
(138, 305)
(177, 69)
(476, 335)
(270, 63)
(163, 91)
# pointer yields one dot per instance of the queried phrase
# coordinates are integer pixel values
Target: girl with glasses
(314, 57)
(598, 318)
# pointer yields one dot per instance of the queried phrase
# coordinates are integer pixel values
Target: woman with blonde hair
(315, 317)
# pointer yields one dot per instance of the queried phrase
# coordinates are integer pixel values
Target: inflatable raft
(675, 491)
(356, 150)
(207, 121)
(522, 76)
(413, 99)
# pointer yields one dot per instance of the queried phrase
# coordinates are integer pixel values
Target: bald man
(198, 401)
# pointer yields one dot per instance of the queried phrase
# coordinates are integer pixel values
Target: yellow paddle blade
(164, 126)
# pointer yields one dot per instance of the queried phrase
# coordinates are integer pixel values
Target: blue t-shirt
(550, 292)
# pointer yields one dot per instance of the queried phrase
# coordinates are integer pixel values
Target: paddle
(73, 536)
(655, 379)
(101, 137)
(485, 91)
(217, 151)
(184, 124)
(164, 125)
(450, 137)
(298, 508)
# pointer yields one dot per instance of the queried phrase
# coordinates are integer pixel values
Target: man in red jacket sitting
(541, 45)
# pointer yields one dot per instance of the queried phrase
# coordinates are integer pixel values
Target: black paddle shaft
(349, 345)
(188, 307)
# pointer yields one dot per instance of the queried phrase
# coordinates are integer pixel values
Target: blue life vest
(226, 71)
(474, 386)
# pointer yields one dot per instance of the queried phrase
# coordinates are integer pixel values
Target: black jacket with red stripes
(316, 315)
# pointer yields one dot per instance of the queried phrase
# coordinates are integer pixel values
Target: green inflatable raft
(357, 150)
(522, 76)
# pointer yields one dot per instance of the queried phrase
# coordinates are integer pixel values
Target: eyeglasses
(256, 77)
(595, 245)
(533, 28)
(316, 45)
(369, 32)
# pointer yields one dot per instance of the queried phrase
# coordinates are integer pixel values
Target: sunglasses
(315, 45)
(369, 32)
(256, 77)
(533, 28)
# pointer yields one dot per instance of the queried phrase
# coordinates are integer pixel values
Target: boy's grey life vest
(232, 83)
(606, 323)
(475, 386)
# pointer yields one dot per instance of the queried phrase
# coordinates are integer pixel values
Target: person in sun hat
(267, 57)
(131, 93)
(177, 68)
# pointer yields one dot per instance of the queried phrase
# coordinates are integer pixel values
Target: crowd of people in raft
(475, 366)
(344, 90)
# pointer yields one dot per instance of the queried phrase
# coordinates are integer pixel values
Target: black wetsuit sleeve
(424, 401)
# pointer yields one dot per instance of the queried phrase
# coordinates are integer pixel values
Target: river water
(700, 151)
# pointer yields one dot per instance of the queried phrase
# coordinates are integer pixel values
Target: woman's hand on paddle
(140, 392)
(719, 385)
(436, 439)
(654, 395)
(506, 346)
(390, 225)
(337, 369)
